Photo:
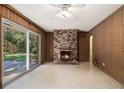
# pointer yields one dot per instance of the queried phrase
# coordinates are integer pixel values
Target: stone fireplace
(65, 46)
(66, 55)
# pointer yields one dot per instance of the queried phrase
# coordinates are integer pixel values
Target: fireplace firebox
(66, 55)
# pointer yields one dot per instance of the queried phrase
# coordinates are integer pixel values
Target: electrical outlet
(103, 64)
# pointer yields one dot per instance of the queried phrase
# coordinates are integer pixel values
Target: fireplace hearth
(66, 55)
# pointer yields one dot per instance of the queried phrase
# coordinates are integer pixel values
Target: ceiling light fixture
(66, 9)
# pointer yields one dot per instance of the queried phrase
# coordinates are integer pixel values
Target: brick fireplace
(65, 46)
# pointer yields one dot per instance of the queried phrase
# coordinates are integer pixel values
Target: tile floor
(60, 76)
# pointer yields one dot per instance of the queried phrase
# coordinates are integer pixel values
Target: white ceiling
(84, 18)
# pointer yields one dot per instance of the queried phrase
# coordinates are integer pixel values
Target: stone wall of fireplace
(65, 40)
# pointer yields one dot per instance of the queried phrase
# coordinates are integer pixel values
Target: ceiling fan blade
(71, 9)
(78, 5)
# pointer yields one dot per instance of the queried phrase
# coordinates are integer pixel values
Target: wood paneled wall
(83, 46)
(0, 54)
(9, 13)
(43, 47)
(108, 45)
(49, 40)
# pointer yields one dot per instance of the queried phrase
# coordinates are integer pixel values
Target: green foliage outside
(14, 41)
(33, 47)
(18, 58)
(15, 57)
(15, 45)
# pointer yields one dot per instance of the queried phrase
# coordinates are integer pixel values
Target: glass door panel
(14, 52)
(33, 50)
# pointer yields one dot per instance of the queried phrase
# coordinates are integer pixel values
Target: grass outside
(18, 57)
(13, 57)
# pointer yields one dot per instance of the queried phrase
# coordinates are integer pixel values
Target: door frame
(21, 29)
(91, 49)
(39, 48)
(26, 31)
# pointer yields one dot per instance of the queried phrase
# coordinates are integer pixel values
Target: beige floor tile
(59, 76)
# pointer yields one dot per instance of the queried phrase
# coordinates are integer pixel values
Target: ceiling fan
(67, 9)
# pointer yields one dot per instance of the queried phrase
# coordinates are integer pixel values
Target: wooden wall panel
(83, 46)
(108, 45)
(49, 45)
(0, 54)
(43, 47)
(122, 45)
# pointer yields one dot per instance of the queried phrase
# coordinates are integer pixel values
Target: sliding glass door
(21, 50)
(14, 42)
(34, 49)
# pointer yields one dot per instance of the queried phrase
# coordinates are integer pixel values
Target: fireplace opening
(65, 55)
